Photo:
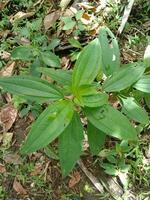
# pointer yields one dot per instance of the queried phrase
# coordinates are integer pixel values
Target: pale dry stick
(45, 171)
(92, 178)
(135, 52)
(125, 17)
(102, 6)
(64, 4)
(38, 2)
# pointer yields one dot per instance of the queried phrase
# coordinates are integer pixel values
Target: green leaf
(50, 153)
(94, 100)
(134, 111)
(88, 89)
(74, 55)
(111, 121)
(147, 57)
(110, 51)
(96, 139)
(123, 78)
(22, 53)
(70, 144)
(69, 23)
(35, 66)
(53, 44)
(31, 88)
(63, 77)
(147, 100)
(111, 170)
(50, 59)
(87, 65)
(75, 43)
(143, 84)
(79, 14)
(50, 124)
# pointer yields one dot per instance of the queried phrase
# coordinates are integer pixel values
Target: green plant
(115, 161)
(77, 94)
(74, 23)
(30, 53)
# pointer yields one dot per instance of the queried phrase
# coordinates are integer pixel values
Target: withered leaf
(19, 188)
(21, 15)
(12, 158)
(4, 55)
(50, 19)
(8, 116)
(6, 139)
(8, 69)
(2, 169)
(74, 179)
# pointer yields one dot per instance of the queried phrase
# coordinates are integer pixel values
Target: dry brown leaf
(4, 33)
(19, 188)
(8, 69)
(93, 32)
(6, 139)
(12, 158)
(24, 41)
(147, 152)
(74, 179)
(87, 19)
(8, 116)
(64, 4)
(21, 15)
(86, 16)
(37, 170)
(114, 101)
(65, 62)
(50, 19)
(2, 169)
(3, 4)
(4, 55)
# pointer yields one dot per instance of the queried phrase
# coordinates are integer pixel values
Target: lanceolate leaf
(87, 65)
(95, 100)
(147, 56)
(110, 51)
(147, 100)
(134, 111)
(75, 43)
(63, 77)
(111, 121)
(50, 124)
(31, 88)
(35, 66)
(124, 78)
(143, 84)
(50, 59)
(88, 89)
(96, 139)
(22, 53)
(70, 144)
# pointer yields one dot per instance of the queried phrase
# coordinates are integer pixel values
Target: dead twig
(125, 17)
(92, 178)
(102, 6)
(64, 4)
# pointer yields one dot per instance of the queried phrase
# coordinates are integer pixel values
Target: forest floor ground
(38, 176)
